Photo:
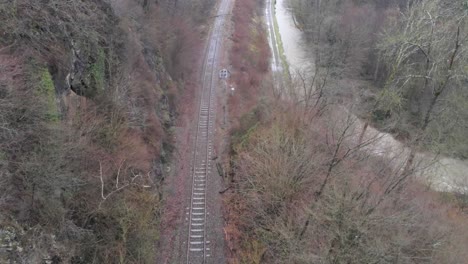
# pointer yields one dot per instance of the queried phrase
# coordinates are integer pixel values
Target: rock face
(111, 97)
(9, 245)
(77, 81)
(30, 246)
(86, 74)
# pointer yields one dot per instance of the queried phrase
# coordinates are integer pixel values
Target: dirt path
(192, 226)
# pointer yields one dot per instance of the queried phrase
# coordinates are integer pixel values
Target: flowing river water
(441, 173)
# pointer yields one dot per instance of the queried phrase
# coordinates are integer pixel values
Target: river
(440, 173)
(294, 43)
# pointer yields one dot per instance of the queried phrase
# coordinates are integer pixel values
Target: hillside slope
(89, 92)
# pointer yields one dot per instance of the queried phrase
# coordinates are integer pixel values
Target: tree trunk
(376, 72)
(363, 132)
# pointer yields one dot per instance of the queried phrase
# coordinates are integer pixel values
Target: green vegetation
(284, 61)
(98, 69)
(47, 90)
(108, 134)
(248, 124)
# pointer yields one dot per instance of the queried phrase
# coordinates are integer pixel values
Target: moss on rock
(98, 75)
(47, 92)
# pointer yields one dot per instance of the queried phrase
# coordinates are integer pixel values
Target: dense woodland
(303, 188)
(409, 59)
(90, 92)
(88, 97)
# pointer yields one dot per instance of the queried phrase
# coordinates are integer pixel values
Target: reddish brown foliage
(249, 57)
(358, 176)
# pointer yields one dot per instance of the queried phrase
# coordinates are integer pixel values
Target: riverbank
(284, 62)
(440, 173)
(295, 169)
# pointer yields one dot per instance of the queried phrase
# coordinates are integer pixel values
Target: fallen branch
(225, 190)
(117, 188)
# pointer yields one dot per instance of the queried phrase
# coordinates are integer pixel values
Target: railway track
(199, 247)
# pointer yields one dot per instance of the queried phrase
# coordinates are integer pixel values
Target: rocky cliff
(86, 113)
